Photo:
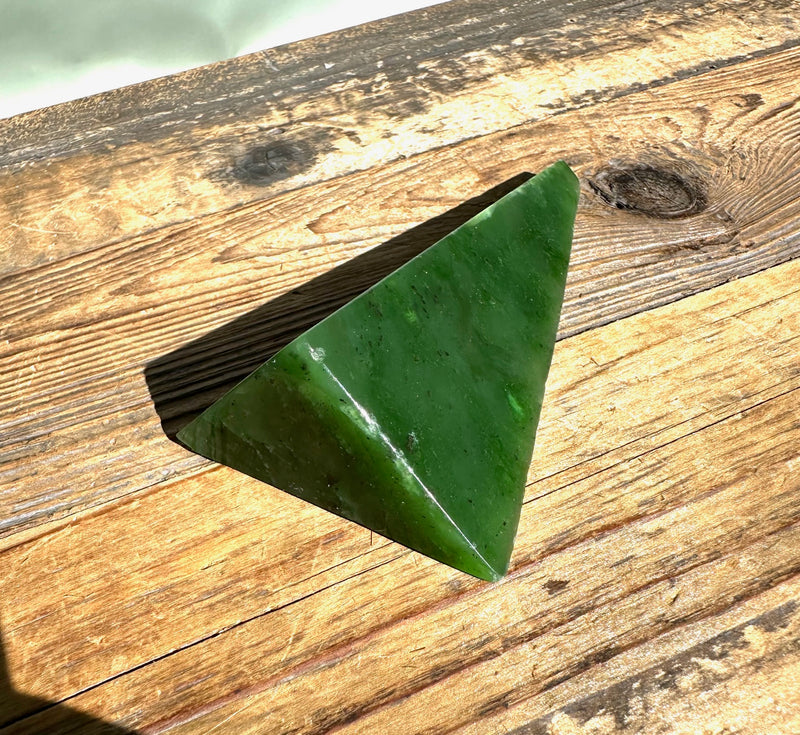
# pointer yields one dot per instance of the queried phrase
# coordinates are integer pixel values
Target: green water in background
(55, 50)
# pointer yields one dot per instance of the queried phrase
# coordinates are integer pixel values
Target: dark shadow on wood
(185, 382)
(21, 714)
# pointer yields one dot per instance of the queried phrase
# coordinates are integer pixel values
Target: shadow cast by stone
(21, 714)
(185, 382)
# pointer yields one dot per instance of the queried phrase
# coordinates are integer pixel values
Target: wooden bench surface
(160, 241)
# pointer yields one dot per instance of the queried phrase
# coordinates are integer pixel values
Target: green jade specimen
(412, 410)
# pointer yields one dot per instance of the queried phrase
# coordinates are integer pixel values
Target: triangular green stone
(412, 410)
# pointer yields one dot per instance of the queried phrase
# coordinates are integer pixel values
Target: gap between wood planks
(99, 171)
(725, 321)
(78, 334)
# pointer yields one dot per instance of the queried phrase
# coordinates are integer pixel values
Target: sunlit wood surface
(160, 241)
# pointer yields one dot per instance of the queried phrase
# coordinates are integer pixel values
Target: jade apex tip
(412, 410)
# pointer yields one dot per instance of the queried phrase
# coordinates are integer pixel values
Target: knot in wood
(264, 164)
(656, 192)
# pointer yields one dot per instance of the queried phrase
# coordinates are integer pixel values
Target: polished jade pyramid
(412, 410)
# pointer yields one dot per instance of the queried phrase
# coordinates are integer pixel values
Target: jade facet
(412, 410)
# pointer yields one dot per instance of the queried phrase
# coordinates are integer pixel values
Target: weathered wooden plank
(737, 671)
(78, 426)
(101, 170)
(504, 672)
(707, 454)
(353, 680)
(250, 680)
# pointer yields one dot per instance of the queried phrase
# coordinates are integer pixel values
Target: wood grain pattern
(693, 488)
(162, 240)
(83, 175)
(735, 671)
(91, 333)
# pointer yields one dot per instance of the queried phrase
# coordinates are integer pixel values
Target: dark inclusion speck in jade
(412, 410)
